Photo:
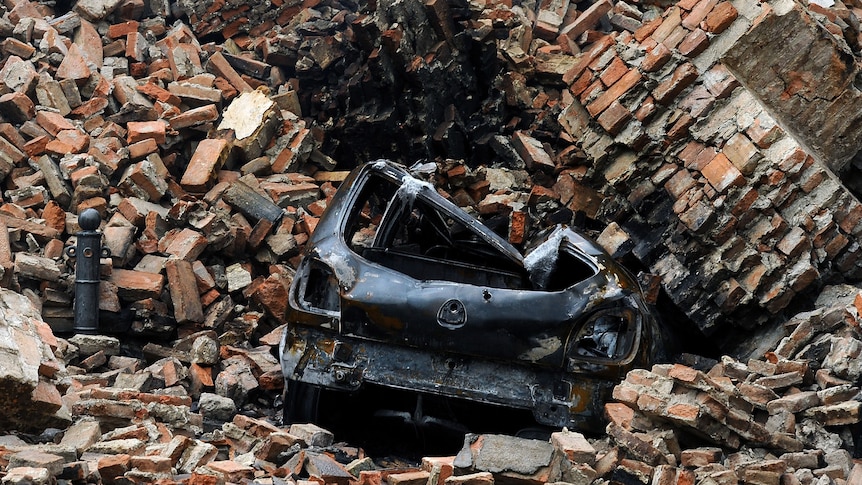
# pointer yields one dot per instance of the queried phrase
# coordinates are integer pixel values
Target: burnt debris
(397, 275)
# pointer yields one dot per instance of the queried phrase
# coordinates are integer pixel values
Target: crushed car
(399, 287)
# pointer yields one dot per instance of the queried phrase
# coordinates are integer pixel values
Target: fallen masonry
(225, 154)
(790, 417)
(211, 135)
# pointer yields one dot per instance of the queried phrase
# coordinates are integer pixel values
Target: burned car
(401, 288)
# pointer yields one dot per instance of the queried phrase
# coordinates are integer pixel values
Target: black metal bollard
(87, 253)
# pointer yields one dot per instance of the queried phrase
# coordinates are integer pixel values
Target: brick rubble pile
(791, 417)
(210, 134)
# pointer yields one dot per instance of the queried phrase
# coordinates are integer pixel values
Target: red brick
(647, 29)
(141, 130)
(145, 180)
(690, 153)
(720, 18)
(220, 66)
(698, 217)
(614, 119)
(194, 117)
(675, 38)
(593, 91)
(151, 463)
(663, 173)
(15, 47)
(444, 465)
(680, 184)
(37, 146)
(158, 93)
(582, 83)
(719, 81)
(679, 129)
(17, 107)
(136, 46)
(113, 466)
(687, 5)
(203, 479)
(585, 59)
(53, 122)
(587, 19)
(684, 75)
(794, 242)
(684, 413)
(742, 153)
(656, 58)
(577, 196)
(646, 109)
(208, 157)
(79, 173)
(721, 174)
(90, 43)
(698, 13)
(620, 414)
(518, 226)
(10, 154)
(694, 43)
(57, 148)
(46, 398)
(764, 133)
(142, 148)
(613, 72)
(698, 102)
(97, 203)
(13, 135)
(184, 291)
(670, 23)
(77, 140)
(532, 152)
(73, 66)
(187, 244)
(94, 105)
(621, 87)
(232, 471)
(137, 285)
(308, 223)
(794, 163)
(116, 31)
(195, 93)
(201, 375)
(419, 477)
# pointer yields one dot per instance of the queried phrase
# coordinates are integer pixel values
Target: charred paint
(551, 331)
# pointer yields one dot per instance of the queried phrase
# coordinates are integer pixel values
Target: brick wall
(735, 215)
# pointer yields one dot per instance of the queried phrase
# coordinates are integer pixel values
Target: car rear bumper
(320, 357)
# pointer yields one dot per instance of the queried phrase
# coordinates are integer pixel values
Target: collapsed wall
(734, 214)
(805, 73)
(645, 126)
(625, 115)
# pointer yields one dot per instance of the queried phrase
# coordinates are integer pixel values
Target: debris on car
(401, 288)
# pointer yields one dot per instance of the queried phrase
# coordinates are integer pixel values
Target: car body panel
(400, 287)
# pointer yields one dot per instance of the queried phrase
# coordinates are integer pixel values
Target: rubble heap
(211, 161)
(796, 411)
(209, 136)
(791, 417)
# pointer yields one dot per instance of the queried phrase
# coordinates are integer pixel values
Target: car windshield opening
(416, 237)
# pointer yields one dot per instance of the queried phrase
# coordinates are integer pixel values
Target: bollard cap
(89, 220)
